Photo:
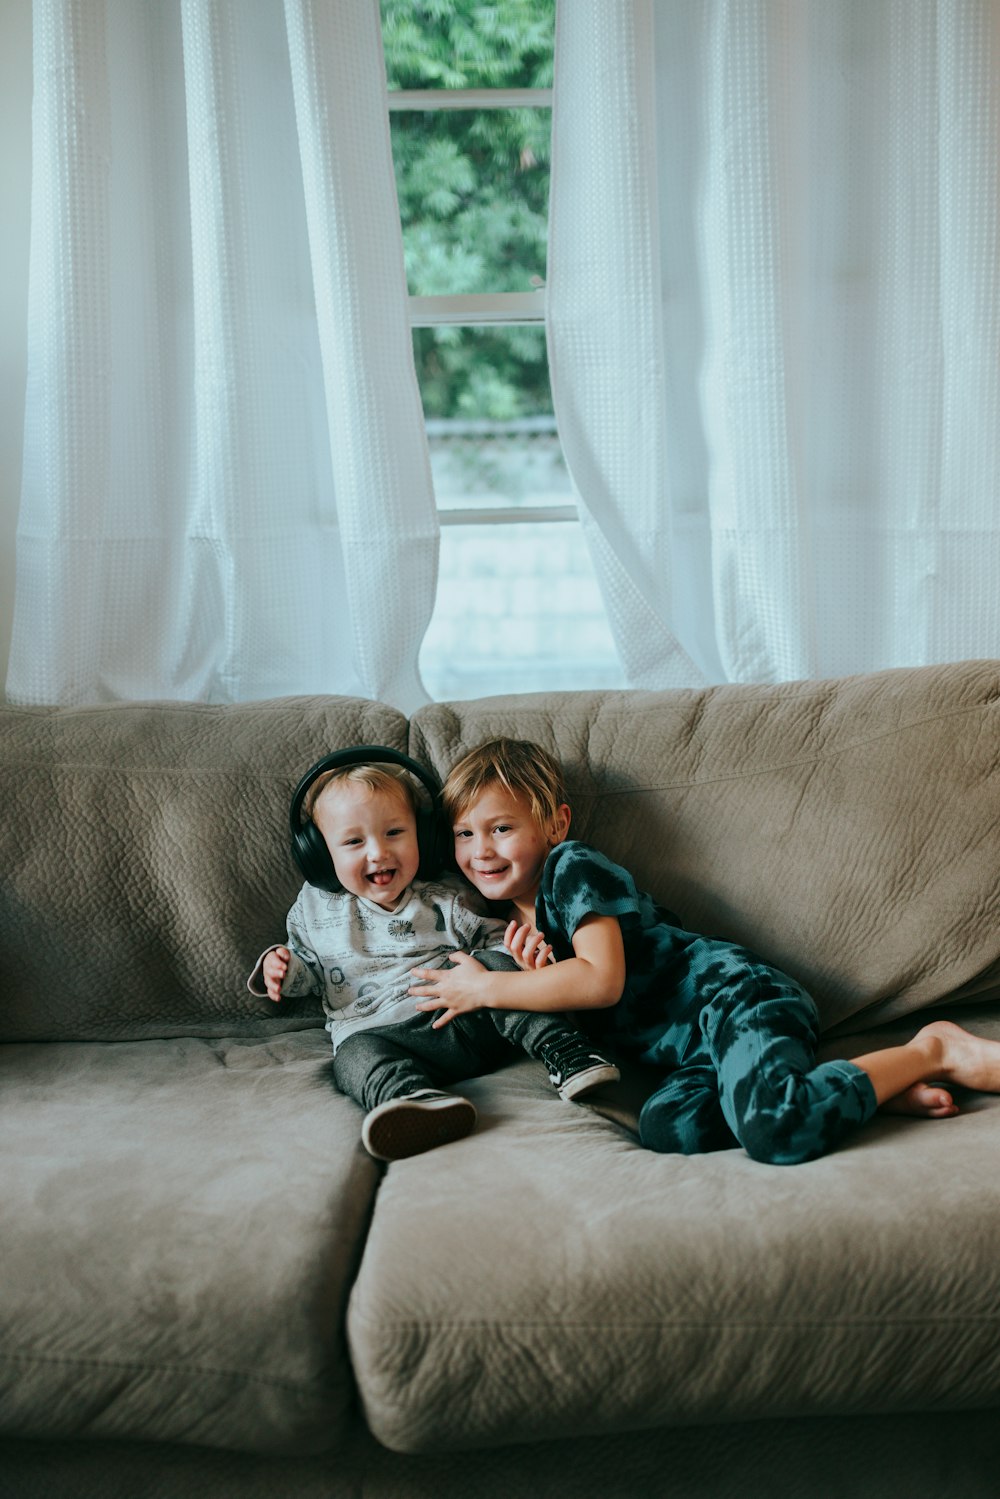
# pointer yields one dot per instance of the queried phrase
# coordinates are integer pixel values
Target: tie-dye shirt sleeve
(577, 882)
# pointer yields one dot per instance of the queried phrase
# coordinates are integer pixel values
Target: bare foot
(964, 1058)
(923, 1101)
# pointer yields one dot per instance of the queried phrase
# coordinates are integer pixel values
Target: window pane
(466, 44)
(473, 188)
(482, 374)
(518, 607)
(518, 610)
(493, 465)
(490, 425)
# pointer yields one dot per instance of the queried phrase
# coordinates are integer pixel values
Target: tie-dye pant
(748, 1074)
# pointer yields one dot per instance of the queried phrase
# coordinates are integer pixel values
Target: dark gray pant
(390, 1061)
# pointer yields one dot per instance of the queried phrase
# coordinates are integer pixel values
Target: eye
(395, 832)
(502, 827)
(462, 833)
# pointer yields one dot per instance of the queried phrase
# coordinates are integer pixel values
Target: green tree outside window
(473, 192)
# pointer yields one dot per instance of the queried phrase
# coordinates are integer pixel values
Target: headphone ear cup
(311, 854)
(445, 843)
(431, 837)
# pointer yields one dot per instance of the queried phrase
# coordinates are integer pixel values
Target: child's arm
(593, 978)
(288, 971)
(280, 972)
(275, 966)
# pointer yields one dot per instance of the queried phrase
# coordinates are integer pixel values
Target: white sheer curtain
(774, 289)
(227, 491)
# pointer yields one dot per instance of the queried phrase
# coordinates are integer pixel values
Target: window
(518, 607)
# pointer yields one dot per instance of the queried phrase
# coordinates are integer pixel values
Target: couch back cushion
(145, 861)
(847, 830)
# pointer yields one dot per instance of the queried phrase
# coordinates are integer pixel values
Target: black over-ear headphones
(309, 848)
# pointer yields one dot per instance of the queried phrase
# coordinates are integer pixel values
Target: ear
(559, 825)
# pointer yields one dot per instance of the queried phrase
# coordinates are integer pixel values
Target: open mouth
(492, 874)
(381, 877)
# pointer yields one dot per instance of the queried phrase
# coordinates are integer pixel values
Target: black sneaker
(417, 1122)
(574, 1069)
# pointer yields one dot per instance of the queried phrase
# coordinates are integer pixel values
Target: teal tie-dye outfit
(735, 1037)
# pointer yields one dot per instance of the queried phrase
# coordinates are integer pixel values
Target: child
(734, 1038)
(354, 942)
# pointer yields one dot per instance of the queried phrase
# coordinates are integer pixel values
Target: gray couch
(208, 1288)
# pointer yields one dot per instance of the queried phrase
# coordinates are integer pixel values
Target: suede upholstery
(209, 1287)
(182, 1223)
(601, 1288)
(144, 847)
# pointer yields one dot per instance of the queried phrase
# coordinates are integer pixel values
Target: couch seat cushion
(547, 1277)
(179, 1225)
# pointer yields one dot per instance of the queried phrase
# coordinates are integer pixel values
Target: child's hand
(455, 990)
(527, 945)
(275, 968)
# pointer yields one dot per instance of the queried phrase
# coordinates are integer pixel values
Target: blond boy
(733, 1038)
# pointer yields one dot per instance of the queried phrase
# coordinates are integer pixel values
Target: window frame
(484, 309)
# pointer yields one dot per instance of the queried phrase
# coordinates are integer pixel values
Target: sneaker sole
(585, 1082)
(411, 1128)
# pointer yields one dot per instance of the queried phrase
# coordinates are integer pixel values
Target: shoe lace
(565, 1054)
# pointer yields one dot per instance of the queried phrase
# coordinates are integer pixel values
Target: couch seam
(246, 1376)
(234, 771)
(372, 1319)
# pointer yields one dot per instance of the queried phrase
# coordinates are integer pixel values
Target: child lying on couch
(358, 925)
(734, 1038)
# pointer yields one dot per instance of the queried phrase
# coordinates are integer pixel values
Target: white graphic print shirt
(356, 956)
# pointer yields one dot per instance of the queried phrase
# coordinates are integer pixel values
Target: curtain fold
(605, 340)
(774, 292)
(388, 521)
(225, 467)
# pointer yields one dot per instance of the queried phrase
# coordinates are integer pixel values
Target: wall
(15, 177)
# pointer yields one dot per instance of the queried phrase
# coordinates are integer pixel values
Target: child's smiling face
(372, 838)
(500, 846)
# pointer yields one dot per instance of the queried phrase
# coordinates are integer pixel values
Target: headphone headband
(308, 847)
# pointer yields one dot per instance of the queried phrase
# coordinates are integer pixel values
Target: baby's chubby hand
(527, 946)
(275, 968)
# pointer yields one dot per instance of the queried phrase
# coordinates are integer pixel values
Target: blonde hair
(521, 766)
(383, 778)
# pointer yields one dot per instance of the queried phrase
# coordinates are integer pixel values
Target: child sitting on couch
(734, 1038)
(358, 925)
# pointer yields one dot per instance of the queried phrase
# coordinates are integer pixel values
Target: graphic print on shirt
(367, 996)
(364, 919)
